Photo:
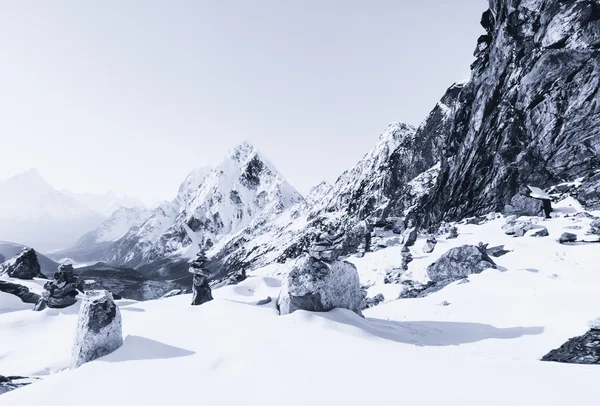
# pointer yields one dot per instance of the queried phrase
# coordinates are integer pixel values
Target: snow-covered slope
(244, 187)
(106, 203)
(476, 343)
(33, 213)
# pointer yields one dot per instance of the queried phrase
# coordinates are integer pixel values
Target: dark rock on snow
(23, 266)
(578, 350)
(595, 227)
(429, 245)
(265, 301)
(99, 330)
(201, 290)
(62, 291)
(453, 233)
(369, 302)
(496, 251)
(541, 233)
(22, 292)
(567, 237)
(8, 383)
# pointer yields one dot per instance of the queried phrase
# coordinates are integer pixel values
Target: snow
(538, 193)
(472, 342)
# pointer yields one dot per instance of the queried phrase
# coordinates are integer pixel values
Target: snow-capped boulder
(429, 245)
(99, 330)
(201, 290)
(567, 237)
(61, 291)
(584, 349)
(23, 266)
(515, 227)
(459, 263)
(318, 286)
(453, 233)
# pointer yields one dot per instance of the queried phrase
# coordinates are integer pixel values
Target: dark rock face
(62, 291)
(20, 291)
(318, 286)
(567, 237)
(23, 266)
(201, 290)
(8, 383)
(99, 330)
(528, 115)
(459, 263)
(578, 350)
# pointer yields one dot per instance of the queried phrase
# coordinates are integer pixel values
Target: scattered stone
(23, 266)
(516, 227)
(22, 292)
(567, 237)
(99, 330)
(584, 215)
(573, 227)
(429, 245)
(459, 263)
(541, 233)
(393, 276)
(201, 290)
(595, 227)
(369, 302)
(316, 285)
(445, 303)
(263, 302)
(237, 277)
(578, 350)
(62, 291)
(475, 220)
(453, 233)
(417, 290)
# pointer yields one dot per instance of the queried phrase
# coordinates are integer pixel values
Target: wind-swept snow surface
(471, 343)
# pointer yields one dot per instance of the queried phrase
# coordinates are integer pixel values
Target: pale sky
(131, 95)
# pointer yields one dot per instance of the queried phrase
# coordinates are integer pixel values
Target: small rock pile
(516, 227)
(407, 258)
(201, 290)
(62, 291)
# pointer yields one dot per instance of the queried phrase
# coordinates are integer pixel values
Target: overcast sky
(131, 95)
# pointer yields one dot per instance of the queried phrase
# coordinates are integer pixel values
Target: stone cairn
(62, 291)
(200, 287)
(324, 247)
(407, 257)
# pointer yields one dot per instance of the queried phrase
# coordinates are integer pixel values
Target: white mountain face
(106, 203)
(210, 207)
(33, 213)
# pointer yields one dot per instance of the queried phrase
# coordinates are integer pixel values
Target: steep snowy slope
(33, 213)
(477, 343)
(242, 188)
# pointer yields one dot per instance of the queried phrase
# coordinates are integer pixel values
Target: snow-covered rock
(516, 227)
(23, 266)
(429, 245)
(458, 263)
(62, 291)
(315, 285)
(99, 331)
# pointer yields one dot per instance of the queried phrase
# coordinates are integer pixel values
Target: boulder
(459, 263)
(99, 331)
(521, 205)
(429, 245)
(22, 292)
(541, 233)
(410, 237)
(62, 291)
(319, 286)
(595, 227)
(578, 350)
(567, 237)
(23, 266)
(516, 227)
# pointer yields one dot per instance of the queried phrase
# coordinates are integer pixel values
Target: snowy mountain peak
(29, 180)
(242, 151)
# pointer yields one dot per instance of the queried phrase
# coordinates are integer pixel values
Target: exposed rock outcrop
(99, 329)
(22, 292)
(23, 266)
(578, 350)
(201, 290)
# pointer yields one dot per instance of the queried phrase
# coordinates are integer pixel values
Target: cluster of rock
(516, 227)
(369, 302)
(62, 290)
(99, 329)
(201, 290)
(23, 266)
(407, 257)
(319, 282)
